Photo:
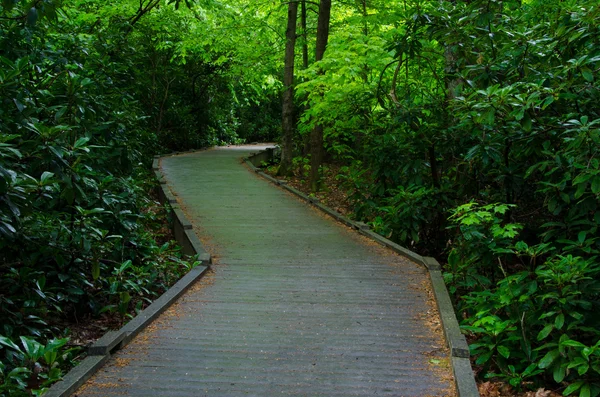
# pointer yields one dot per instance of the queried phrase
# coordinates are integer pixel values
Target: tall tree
(316, 138)
(288, 95)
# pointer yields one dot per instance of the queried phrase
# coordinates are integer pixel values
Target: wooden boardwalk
(296, 304)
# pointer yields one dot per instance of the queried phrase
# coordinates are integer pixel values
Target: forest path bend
(297, 304)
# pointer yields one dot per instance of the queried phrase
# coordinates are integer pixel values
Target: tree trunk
(316, 155)
(362, 4)
(285, 167)
(365, 15)
(305, 138)
(304, 36)
(433, 164)
(452, 81)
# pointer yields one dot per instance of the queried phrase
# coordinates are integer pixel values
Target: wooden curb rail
(112, 341)
(459, 349)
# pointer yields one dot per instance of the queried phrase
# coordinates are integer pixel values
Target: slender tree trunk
(316, 138)
(285, 167)
(163, 106)
(306, 138)
(304, 36)
(433, 164)
(452, 83)
(362, 4)
(365, 14)
(508, 180)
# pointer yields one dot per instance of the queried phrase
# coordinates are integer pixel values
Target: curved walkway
(296, 303)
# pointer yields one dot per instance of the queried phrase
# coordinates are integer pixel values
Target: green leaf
(46, 176)
(58, 152)
(483, 358)
(41, 282)
(19, 370)
(585, 391)
(75, 291)
(125, 298)
(504, 351)
(559, 321)
(7, 61)
(18, 104)
(80, 143)
(50, 357)
(31, 346)
(125, 265)
(583, 177)
(94, 211)
(61, 111)
(95, 270)
(545, 332)
(596, 184)
(548, 359)
(559, 373)
(7, 228)
(547, 102)
(573, 387)
(572, 343)
(56, 344)
(519, 113)
(580, 190)
(588, 75)
(9, 343)
(582, 369)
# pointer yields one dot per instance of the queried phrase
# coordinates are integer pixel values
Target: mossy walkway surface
(296, 304)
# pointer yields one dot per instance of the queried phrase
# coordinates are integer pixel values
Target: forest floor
(332, 193)
(335, 196)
